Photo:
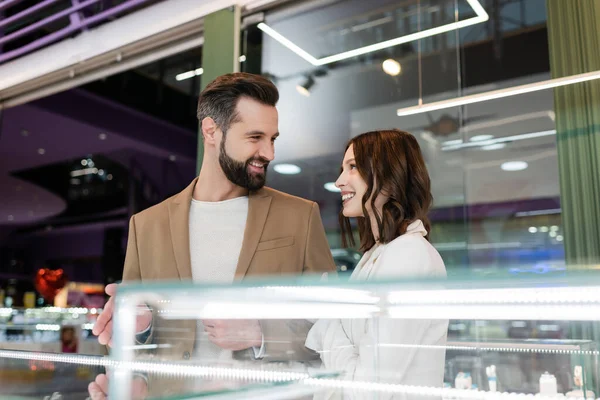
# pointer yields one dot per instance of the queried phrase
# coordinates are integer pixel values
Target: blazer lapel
(179, 217)
(258, 209)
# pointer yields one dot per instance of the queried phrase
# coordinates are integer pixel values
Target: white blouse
(402, 347)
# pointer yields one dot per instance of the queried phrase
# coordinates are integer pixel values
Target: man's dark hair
(219, 99)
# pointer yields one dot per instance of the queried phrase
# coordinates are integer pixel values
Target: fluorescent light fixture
(330, 186)
(513, 166)
(496, 146)
(514, 138)
(189, 74)
(287, 169)
(481, 138)
(84, 171)
(391, 67)
(452, 142)
(498, 94)
(538, 212)
(481, 16)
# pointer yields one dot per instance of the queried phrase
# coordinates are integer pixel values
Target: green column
(220, 53)
(574, 42)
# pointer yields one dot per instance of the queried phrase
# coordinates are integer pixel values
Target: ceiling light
(538, 212)
(304, 88)
(84, 162)
(82, 172)
(514, 166)
(172, 158)
(287, 169)
(481, 16)
(102, 136)
(544, 229)
(452, 142)
(559, 238)
(554, 228)
(553, 234)
(330, 186)
(41, 151)
(242, 58)
(496, 146)
(480, 138)
(189, 74)
(109, 177)
(391, 67)
(533, 229)
(514, 138)
(499, 94)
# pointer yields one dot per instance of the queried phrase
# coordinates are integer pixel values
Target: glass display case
(458, 338)
(46, 329)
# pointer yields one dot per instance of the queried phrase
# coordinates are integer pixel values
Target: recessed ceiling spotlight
(287, 169)
(330, 186)
(514, 166)
(391, 67)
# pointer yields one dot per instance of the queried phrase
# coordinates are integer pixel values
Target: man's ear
(209, 129)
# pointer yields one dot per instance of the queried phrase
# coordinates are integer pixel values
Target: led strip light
(269, 376)
(544, 295)
(481, 16)
(498, 94)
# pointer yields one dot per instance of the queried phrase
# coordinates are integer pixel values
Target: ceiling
(33, 137)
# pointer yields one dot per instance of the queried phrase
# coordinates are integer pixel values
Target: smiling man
(226, 226)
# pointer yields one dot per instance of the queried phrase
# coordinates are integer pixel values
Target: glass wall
(347, 67)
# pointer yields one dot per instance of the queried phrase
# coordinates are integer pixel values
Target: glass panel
(406, 338)
(493, 164)
(35, 375)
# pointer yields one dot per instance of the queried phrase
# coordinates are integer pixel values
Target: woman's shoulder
(412, 254)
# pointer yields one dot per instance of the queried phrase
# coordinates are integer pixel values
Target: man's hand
(104, 323)
(235, 335)
(98, 390)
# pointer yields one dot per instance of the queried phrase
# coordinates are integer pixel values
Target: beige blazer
(284, 235)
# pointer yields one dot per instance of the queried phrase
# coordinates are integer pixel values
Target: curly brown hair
(389, 161)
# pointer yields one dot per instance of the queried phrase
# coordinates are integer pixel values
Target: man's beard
(237, 171)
